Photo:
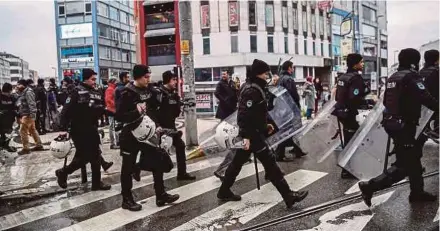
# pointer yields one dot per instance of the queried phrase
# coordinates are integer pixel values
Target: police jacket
(82, 109)
(253, 109)
(350, 92)
(404, 95)
(40, 93)
(8, 110)
(126, 107)
(226, 93)
(431, 80)
(169, 107)
(288, 82)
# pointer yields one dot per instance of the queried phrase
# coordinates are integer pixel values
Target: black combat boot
(228, 196)
(290, 197)
(129, 203)
(166, 199)
(61, 178)
(106, 165)
(421, 197)
(101, 186)
(185, 176)
(367, 192)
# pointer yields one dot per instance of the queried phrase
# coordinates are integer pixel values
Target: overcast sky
(28, 29)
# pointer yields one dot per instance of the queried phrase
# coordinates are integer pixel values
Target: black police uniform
(404, 95)
(128, 114)
(8, 113)
(169, 109)
(252, 122)
(430, 74)
(41, 98)
(82, 110)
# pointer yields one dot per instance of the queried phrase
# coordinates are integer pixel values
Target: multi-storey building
(5, 71)
(18, 68)
(229, 35)
(95, 34)
(33, 75)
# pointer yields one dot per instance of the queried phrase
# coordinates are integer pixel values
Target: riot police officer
(350, 93)
(135, 101)
(8, 113)
(81, 111)
(253, 128)
(404, 95)
(169, 109)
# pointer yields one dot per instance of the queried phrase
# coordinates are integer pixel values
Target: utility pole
(187, 55)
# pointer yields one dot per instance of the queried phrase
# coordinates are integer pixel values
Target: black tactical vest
(262, 105)
(426, 72)
(395, 88)
(343, 88)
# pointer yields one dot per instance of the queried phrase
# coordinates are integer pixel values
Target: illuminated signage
(76, 30)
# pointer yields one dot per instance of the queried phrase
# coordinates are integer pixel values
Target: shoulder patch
(421, 86)
(356, 91)
(249, 103)
(68, 100)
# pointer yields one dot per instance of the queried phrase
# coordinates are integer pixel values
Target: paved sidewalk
(35, 172)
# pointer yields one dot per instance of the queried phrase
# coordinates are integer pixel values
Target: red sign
(204, 10)
(203, 101)
(324, 4)
(233, 14)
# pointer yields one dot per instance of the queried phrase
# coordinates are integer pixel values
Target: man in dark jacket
(41, 97)
(226, 93)
(124, 78)
(287, 81)
(8, 113)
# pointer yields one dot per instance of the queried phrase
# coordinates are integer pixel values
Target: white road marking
(120, 217)
(46, 210)
(252, 204)
(333, 220)
(436, 216)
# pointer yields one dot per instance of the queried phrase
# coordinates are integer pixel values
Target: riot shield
(321, 135)
(364, 156)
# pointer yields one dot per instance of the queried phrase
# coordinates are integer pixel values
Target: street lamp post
(55, 72)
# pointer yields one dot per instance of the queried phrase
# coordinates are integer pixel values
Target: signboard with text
(204, 101)
(233, 14)
(77, 60)
(76, 30)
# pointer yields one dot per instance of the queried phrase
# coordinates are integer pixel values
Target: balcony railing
(161, 54)
(160, 20)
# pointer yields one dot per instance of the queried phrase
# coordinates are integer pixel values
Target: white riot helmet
(145, 130)
(60, 147)
(225, 135)
(166, 142)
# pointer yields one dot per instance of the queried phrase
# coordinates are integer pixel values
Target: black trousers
(87, 151)
(129, 150)
(350, 126)
(180, 155)
(40, 122)
(408, 154)
(263, 154)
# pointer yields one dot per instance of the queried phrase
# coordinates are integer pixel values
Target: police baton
(256, 171)
(387, 153)
(340, 133)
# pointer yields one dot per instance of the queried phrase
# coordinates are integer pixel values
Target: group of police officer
(404, 95)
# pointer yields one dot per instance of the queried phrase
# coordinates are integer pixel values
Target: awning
(160, 32)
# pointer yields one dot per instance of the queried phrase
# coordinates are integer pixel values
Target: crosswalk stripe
(120, 217)
(436, 216)
(46, 210)
(355, 223)
(252, 205)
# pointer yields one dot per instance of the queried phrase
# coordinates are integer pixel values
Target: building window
(286, 44)
(304, 20)
(115, 34)
(305, 46)
(285, 17)
(132, 38)
(133, 57)
(314, 48)
(125, 56)
(369, 14)
(103, 30)
(270, 43)
(74, 8)
(104, 52)
(61, 10)
(102, 9)
(234, 43)
(296, 46)
(330, 50)
(88, 7)
(252, 13)
(269, 15)
(123, 16)
(210, 74)
(206, 46)
(369, 31)
(322, 49)
(313, 23)
(305, 72)
(114, 14)
(131, 20)
(321, 25)
(124, 36)
(116, 54)
(253, 43)
(295, 18)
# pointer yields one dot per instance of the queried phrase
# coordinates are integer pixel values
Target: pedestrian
(52, 106)
(41, 96)
(81, 112)
(131, 108)
(124, 78)
(253, 128)
(103, 89)
(226, 93)
(27, 110)
(287, 81)
(319, 90)
(8, 113)
(404, 95)
(309, 95)
(169, 109)
(111, 110)
(350, 96)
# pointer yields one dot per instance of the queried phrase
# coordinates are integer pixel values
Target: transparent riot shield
(364, 155)
(321, 135)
